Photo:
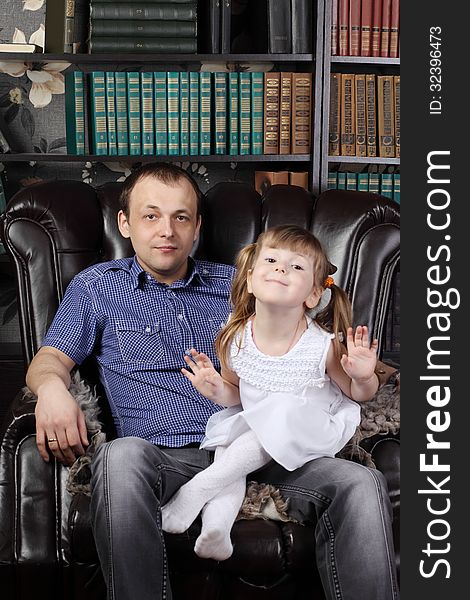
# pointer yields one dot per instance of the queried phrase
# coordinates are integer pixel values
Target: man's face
(162, 226)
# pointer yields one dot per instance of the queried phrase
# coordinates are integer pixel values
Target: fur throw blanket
(381, 415)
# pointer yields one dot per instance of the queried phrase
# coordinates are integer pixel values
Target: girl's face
(283, 277)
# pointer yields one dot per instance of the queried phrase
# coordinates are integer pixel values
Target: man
(138, 317)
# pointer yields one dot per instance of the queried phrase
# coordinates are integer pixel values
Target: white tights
(218, 491)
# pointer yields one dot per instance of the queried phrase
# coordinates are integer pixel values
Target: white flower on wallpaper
(32, 4)
(37, 37)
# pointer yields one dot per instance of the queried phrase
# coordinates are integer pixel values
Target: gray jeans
(346, 503)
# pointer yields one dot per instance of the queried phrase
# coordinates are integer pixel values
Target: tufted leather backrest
(55, 229)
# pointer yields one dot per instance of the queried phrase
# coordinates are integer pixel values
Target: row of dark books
(386, 183)
(150, 26)
(364, 117)
(206, 26)
(181, 113)
(365, 28)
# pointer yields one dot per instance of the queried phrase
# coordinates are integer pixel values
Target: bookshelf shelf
(221, 158)
(365, 60)
(364, 159)
(181, 59)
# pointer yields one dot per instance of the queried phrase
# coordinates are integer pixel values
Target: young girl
(285, 377)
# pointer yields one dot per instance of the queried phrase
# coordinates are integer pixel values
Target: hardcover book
(396, 96)
(257, 102)
(143, 44)
(193, 113)
(204, 113)
(233, 126)
(184, 112)
(265, 179)
(272, 90)
(343, 27)
(386, 116)
(220, 97)
(279, 26)
(147, 111)
(173, 87)
(354, 27)
(299, 178)
(99, 135)
(334, 28)
(144, 11)
(138, 29)
(285, 118)
(122, 128)
(334, 123)
(111, 112)
(348, 121)
(371, 115)
(301, 113)
(59, 25)
(376, 27)
(134, 112)
(366, 26)
(385, 29)
(361, 129)
(74, 112)
(301, 26)
(161, 124)
(245, 112)
(226, 26)
(394, 28)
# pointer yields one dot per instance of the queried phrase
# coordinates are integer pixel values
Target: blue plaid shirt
(139, 329)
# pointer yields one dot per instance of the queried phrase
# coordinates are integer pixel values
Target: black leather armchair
(55, 229)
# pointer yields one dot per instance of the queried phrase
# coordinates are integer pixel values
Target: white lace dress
(296, 411)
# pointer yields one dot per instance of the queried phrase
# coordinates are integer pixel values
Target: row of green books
(386, 184)
(164, 113)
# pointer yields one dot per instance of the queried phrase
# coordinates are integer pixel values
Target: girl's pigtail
(336, 316)
(243, 303)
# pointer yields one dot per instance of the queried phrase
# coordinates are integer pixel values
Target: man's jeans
(346, 503)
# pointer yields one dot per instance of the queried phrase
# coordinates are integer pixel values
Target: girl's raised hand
(360, 361)
(203, 375)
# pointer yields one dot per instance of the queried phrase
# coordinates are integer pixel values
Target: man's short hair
(167, 173)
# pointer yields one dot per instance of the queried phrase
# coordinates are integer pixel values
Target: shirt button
(147, 329)
(205, 272)
(180, 317)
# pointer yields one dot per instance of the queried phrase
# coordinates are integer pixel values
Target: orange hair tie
(329, 281)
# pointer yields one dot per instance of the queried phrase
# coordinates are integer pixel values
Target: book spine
(348, 129)
(362, 182)
(193, 113)
(226, 26)
(80, 26)
(376, 27)
(351, 181)
(396, 96)
(334, 28)
(142, 29)
(205, 113)
(366, 26)
(173, 113)
(354, 27)
(233, 132)
(374, 183)
(301, 112)
(272, 91)
(161, 127)
(341, 180)
(361, 128)
(385, 29)
(134, 112)
(99, 139)
(371, 115)
(386, 185)
(214, 25)
(257, 101)
(343, 27)
(265, 179)
(220, 102)
(245, 112)
(55, 26)
(69, 25)
(394, 28)
(285, 113)
(386, 118)
(279, 27)
(144, 10)
(122, 129)
(74, 112)
(111, 112)
(299, 178)
(147, 124)
(184, 112)
(334, 127)
(301, 26)
(143, 44)
(332, 180)
(396, 187)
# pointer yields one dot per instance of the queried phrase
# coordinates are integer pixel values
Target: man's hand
(203, 375)
(60, 425)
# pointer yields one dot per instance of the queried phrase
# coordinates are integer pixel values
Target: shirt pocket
(139, 342)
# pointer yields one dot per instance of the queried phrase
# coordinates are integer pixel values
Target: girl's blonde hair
(336, 317)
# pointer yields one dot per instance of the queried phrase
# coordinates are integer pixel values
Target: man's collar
(193, 276)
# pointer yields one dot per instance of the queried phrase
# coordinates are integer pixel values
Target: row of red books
(365, 28)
